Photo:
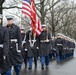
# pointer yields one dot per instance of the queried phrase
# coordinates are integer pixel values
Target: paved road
(66, 68)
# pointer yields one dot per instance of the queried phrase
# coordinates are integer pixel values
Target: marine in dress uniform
(4, 48)
(53, 49)
(24, 48)
(59, 47)
(32, 48)
(15, 42)
(44, 46)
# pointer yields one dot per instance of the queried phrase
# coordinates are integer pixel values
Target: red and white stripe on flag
(36, 23)
(26, 8)
(38, 26)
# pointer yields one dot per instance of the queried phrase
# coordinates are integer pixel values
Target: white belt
(13, 40)
(1, 45)
(32, 40)
(59, 44)
(43, 41)
(71, 48)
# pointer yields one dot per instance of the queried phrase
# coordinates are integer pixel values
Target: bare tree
(59, 15)
(1, 3)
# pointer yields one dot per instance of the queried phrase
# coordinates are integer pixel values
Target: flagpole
(21, 20)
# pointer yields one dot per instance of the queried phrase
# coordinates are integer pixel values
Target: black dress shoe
(42, 67)
(30, 68)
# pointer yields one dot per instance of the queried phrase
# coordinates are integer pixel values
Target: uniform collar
(9, 26)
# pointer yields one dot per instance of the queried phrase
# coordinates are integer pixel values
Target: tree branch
(1, 2)
(11, 7)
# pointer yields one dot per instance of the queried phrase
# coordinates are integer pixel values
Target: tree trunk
(53, 27)
(1, 3)
(0, 9)
(42, 11)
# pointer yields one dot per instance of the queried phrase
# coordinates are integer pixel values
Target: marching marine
(59, 47)
(44, 46)
(4, 48)
(15, 42)
(24, 48)
(32, 47)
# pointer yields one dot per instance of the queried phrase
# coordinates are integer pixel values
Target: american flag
(28, 8)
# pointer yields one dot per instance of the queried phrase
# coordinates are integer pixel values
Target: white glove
(47, 40)
(4, 57)
(25, 49)
(37, 47)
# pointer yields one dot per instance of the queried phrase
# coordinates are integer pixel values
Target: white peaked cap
(44, 25)
(9, 17)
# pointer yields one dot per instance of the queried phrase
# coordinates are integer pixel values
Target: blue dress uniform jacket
(44, 47)
(4, 40)
(15, 41)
